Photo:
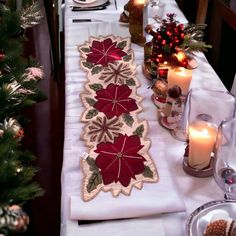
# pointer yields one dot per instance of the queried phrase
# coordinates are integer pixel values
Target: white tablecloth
(194, 191)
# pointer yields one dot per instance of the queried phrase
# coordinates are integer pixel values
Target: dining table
(161, 208)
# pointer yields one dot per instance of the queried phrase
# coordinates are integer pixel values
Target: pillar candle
(138, 19)
(181, 77)
(202, 136)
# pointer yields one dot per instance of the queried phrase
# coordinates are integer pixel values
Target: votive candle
(180, 76)
(202, 136)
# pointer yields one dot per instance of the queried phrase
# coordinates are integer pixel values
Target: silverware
(86, 20)
(116, 5)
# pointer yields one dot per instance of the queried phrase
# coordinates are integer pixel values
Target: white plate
(86, 2)
(94, 3)
(198, 220)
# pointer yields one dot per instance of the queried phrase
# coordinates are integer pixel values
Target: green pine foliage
(19, 88)
(16, 172)
(193, 39)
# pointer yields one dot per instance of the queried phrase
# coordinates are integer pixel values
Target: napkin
(138, 227)
(154, 198)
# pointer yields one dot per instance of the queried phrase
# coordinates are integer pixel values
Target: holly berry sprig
(173, 37)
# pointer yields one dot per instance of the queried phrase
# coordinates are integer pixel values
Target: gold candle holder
(138, 19)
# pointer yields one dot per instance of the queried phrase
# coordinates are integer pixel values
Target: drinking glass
(225, 158)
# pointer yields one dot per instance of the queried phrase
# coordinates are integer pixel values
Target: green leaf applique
(92, 164)
(128, 119)
(85, 49)
(94, 180)
(122, 44)
(91, 113)
(95, 87)
(147, 172)
(96, 70)
(127, 57)
(139, 131)
(90, 101)
(130, 82)
(87, 64)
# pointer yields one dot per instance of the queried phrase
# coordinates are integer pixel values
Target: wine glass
(225, 158)
(204, 111)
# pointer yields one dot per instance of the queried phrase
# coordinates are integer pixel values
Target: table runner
(118, 157)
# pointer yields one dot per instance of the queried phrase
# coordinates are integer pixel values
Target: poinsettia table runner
(118, 157)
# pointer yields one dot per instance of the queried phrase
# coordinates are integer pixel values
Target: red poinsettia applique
(104, 52)
(115, 100)
(120, 161)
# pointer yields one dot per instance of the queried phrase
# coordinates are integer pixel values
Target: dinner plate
(91, 3)
(203, 215)
(85, 2)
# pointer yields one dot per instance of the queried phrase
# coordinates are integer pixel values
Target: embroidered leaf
(90, 101)
(94, 180)
(127, 57)
(85, 49)
(122, 44)
(92, 164)
(91, 114)
(95, 87)
(130, 82)
(128, 119)
(96, 70)
(139, 131)
(87, 64)
(147, 172)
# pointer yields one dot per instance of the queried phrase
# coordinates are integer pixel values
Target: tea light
(162, 69)
(181, 77)
(202, 136)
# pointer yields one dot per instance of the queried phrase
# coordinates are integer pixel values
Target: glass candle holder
(203, 113)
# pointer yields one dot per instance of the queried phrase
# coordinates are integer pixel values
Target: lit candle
(181, 77)
(162, 69)
(138, 19)
(202, 136)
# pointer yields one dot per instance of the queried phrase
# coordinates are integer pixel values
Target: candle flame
(180, 56)
(199, 133)
(181, 71)
(140, 1)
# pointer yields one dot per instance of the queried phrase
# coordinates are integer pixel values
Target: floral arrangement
(175, 42)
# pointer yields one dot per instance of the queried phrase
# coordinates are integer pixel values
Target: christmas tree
(19, 88)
